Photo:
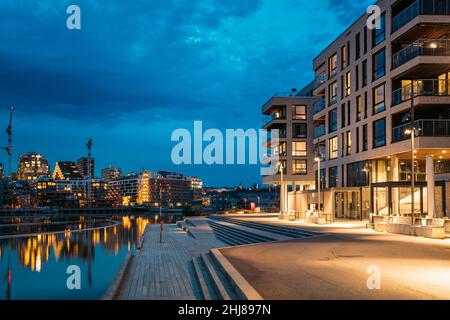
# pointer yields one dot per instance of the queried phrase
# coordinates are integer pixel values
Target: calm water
(34, 266)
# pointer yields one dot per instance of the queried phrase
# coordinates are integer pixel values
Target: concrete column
(430, 186)
(395, 191)
(282, 198)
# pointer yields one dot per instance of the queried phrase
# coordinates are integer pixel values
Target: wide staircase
(236, 237)
(275, 229)
(212, 282)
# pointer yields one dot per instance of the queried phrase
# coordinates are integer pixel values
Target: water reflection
(37, 263)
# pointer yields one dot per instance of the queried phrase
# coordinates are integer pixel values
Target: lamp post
(369, 181)
(319, 200)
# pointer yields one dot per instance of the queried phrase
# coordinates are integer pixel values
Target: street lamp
(319, 200)
(369, 180)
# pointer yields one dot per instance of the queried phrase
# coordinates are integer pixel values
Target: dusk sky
(140, 69)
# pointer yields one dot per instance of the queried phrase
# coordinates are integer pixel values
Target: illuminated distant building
(82, 165)
(111, 173)
(130, 190)
(32, 166)
(66, 170)
(174, 189)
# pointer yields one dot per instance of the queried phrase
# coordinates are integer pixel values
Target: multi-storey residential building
(111, 173)
(374, 83)
(130, 190)
(379, 86)
(66, 170)
(32, 166)
(291, 114)
(82, 165)
(174, 189)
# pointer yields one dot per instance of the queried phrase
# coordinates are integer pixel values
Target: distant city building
(32, 166)
(66, 170)
(111, 173)
(174, 189)
(239, 198)
(82, 165)
(130, 190)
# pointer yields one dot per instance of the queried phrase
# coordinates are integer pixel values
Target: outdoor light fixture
(433, 45)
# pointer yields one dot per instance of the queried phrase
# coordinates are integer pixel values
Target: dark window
(365, 138)
(348, 112)
(379, 64)
(379, 104)
(332, 121)
(343, 116)
(348, 53)
(357, 174)
(366, 107)
(365, 40)
(332, 177)
(379, 133)
(358, 46)
(379, 35)
(357, 140)
(357, 78)
(364, 73)
(358, 108)
(299, 130)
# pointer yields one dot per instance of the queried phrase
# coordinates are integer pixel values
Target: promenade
(163, 271)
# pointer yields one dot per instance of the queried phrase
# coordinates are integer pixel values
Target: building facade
(83, 166)
(111, 173)
(66, 170)
(377, 87)
(291, 114)
(32, 166)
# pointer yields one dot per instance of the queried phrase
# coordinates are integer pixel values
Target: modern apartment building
(291, 113)
(66, 170)
(82, 165)
(376, 88)
(32, 166)
(111, 173)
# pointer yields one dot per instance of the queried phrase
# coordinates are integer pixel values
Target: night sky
(140, 69)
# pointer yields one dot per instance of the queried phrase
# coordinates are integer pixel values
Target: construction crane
(89, 181)
(9, 148)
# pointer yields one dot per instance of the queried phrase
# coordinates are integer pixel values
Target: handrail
(422, 47)
(421, 87)
(424, 127)
(406, 16)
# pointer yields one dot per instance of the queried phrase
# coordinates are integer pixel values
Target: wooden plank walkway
(163, 271)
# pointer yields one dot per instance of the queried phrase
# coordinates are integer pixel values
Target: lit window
(299, 167)
(299, 149)
(333, 148)
(379, 99)
(299, 112)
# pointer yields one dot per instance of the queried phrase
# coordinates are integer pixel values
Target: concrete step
(229, 238)
(286, 231)
(248, 235)
(213, 283)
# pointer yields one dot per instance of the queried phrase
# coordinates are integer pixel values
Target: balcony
(422, 87)
(420, 7)
(424, 128)
(422, 47)
(268, 120)
(319, 131)
(319, 106)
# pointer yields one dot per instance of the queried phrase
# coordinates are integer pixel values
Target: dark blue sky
(140, 69)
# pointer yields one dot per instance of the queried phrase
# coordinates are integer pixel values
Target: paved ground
(335, 266)
(163, 270)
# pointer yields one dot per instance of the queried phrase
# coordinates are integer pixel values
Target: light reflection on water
(34, 267)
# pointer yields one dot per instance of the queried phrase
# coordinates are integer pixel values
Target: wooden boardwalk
(163, 271)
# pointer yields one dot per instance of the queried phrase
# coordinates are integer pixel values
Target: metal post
(319, 197)
(413, 134)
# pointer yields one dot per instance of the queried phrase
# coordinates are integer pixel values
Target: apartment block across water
(367, 84)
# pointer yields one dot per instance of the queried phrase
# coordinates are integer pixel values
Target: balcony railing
(319, 106)
(423, 87)
(418, 7)
(424, 128)
(268, 119)
(422, 47)
(319, 131)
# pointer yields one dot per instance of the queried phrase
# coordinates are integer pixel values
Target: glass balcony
(319, 131)
(420, 7)
(319, 106)
(274, 116)
(423, 87)
(424, 128)
(422, 47)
